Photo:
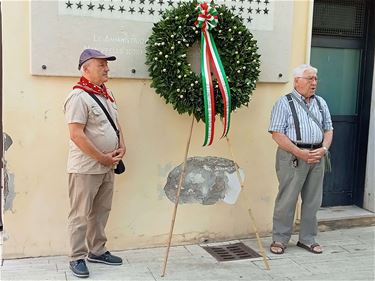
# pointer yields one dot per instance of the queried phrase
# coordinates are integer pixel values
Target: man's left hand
(315, 155)
(120, 152)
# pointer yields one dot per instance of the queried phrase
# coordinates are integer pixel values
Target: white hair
(84, 65)
(299, 70)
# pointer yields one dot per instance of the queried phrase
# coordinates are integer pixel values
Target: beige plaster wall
(35, 223)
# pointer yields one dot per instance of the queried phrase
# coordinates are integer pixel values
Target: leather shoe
(106, 258)
(79, 268)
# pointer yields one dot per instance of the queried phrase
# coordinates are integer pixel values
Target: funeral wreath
(231, 50)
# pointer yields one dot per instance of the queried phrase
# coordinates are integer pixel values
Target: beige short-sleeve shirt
(80, 108)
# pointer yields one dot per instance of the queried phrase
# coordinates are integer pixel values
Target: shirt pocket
(97, 115)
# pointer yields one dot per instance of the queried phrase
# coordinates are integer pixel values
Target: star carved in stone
(151, 11)
(131, 10)
(101, 7)
(90, 6)
(111, 8)
(68, 4)
(266, 11)
(141, 10)
(122, 9)
(79, 5)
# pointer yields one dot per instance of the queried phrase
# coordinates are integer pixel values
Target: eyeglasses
(310, 79)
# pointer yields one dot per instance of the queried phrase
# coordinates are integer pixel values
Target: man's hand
(311, 156)
(109, 159)
(120, 152)
(315, 155)
(78, 136)
(303, 154)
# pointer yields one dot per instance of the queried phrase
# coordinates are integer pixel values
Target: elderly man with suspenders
(301, 125)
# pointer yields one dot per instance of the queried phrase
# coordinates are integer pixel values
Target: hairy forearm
(328, 135)
(285, 143)
(84, 144)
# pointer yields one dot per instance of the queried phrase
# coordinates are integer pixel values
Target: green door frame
(365, 103)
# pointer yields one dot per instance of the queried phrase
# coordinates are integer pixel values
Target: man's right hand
(303, 154)
(309, 156)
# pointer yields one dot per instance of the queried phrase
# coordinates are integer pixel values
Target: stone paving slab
(349, 254)
(125, 272)
(205, 272)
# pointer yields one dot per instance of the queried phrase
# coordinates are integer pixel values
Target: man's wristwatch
(325, 149)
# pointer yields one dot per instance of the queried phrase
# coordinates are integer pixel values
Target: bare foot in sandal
(313, 248)
(277, 248)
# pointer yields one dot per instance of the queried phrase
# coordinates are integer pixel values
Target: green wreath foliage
(171, 73)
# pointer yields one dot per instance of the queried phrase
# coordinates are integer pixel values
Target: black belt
(308, 145)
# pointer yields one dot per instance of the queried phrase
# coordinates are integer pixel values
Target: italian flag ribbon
(207, 20)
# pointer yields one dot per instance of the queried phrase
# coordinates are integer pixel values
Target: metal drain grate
(231, 252)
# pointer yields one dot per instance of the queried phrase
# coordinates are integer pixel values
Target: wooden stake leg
(182, 177)
(259, 241)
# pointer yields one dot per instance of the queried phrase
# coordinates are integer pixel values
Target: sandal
(310, 248)
(279, 246)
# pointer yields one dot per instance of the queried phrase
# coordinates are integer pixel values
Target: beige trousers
(90, 203)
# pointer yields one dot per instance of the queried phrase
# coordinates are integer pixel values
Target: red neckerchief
(91, 88)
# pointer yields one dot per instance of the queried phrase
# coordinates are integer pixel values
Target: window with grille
(343, 18)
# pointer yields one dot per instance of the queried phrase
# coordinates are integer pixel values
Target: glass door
(338, 74)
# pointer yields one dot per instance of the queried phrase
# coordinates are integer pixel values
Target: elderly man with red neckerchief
(94, 151)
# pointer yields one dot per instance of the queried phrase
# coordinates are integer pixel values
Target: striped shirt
(282, 119)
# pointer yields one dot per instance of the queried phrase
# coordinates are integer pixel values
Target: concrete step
(339, 217)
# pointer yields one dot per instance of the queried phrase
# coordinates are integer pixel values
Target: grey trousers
(305, 179)
(90, 204)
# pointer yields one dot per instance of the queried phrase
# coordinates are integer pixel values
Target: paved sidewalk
(348, 255)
